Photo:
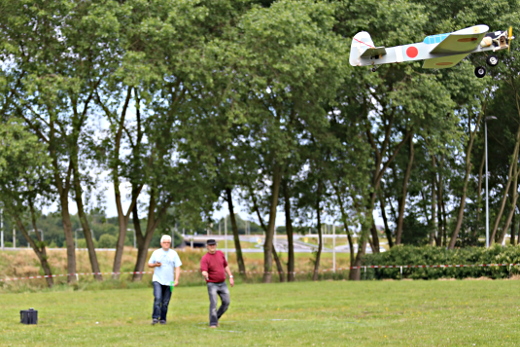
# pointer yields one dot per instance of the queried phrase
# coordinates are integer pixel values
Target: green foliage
(414, 232)
(417, 256)
(107, 241)
(82, 243)
(180, 100)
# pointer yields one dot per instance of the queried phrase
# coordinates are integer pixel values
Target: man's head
(211, 244)
(166, 242)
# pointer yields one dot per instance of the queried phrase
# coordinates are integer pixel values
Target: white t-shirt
(169, 261)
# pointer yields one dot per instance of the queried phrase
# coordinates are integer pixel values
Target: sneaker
(162, 321)
(155, 321)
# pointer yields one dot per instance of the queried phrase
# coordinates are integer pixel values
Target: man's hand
(205, 275)
(176, 283)
(231, 281)
(157, 264)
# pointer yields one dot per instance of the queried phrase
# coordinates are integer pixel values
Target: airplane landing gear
(492, 60)
(480, 71)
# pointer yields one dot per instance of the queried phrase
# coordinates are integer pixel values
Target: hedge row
(411, 255)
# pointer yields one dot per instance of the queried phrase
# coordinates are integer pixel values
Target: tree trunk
(388, 232)
(69, 239)
(514, 198)
(462, 205)
(236, 237)
(441, 237)
(374, 242)
(279, 266)
(513, 226)
(144, 241)
(38, 248)
(85, 225)
(290, 233)
(510, 177)
(404, 193)
(123, 220)
(435, 223)
(344, 219)
(320, 237)
(355, 270)
(269, 235)
(120, 246)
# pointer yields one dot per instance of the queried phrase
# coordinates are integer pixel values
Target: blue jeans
(162, 295)
(221, 290)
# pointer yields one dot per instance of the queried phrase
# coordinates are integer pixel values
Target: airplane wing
(444, 62)
(373, 52)
(465, 40)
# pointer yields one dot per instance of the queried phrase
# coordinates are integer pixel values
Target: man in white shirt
(165, 262)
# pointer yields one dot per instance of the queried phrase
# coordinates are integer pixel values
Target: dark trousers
(162, 295)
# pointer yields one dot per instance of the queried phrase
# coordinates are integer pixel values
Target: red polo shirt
(214, 264)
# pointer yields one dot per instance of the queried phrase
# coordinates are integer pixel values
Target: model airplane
(437, 51)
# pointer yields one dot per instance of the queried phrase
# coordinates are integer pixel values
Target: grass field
(327, 313)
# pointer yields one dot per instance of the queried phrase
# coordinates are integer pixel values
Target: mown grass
(328, 313)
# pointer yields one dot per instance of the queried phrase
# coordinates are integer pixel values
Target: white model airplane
(437, 51)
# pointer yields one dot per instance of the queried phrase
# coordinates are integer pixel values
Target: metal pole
(2, 226)
(487, 194)
(14, 238)
(334, 248)
(225, 235)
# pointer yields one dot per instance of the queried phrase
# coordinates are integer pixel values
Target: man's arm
(152, 262)
(230, 275)
(204, 269)
(177, 275)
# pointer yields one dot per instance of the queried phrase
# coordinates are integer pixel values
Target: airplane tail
(360, 43)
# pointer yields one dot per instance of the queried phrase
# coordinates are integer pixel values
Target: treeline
(105, 231)
(184, 105)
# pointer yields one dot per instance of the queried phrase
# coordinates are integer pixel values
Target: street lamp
(36, 231)
(2, 226)
(487, 189)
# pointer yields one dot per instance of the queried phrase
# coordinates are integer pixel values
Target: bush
(475, 257)
(107, 241)
(82, 243)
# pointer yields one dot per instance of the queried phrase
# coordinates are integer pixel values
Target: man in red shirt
(214, 267)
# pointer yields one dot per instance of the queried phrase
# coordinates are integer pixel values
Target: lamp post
(334, 247)
(225, 236)
(487, 189)
(2, 226)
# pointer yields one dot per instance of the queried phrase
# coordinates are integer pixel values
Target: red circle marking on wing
(412, 52)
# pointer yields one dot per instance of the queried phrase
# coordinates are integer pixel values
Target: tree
(292, 66)
(24, 171)
(58, 53)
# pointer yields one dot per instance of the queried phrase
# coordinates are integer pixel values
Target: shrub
(107, 241)
(82, 243)
(472, 258)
